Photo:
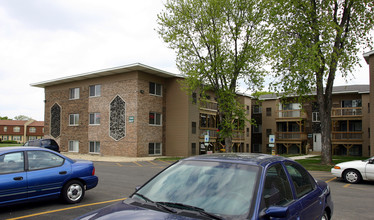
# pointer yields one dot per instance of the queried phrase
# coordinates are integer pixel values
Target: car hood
(122, 210)
(353, 163)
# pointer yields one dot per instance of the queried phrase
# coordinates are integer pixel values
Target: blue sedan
(226, 186)
(33, 173)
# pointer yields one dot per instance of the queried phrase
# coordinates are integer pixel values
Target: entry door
(317, 145)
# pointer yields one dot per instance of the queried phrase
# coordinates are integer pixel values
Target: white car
(355, 171)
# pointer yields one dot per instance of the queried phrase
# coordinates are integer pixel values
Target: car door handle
(63, 172)
(18, 178)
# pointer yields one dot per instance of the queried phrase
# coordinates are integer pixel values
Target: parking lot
(117, 180)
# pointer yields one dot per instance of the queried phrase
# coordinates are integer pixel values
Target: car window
(277, 189)
(43, 159)
(12, 163)
(302, 181)
(221, 188)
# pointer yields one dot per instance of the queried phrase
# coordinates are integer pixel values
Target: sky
(43, 40)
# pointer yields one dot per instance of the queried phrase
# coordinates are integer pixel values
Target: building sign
(131, 119)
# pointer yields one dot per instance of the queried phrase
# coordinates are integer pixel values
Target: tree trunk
(325, 106)
(228, 144)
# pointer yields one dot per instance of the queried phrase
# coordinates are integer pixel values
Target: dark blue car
(226, 186)
(34, 173)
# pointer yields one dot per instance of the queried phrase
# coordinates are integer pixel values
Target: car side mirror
(277, 212)
(137, 188)
(371, 161)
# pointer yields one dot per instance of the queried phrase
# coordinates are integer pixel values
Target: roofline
(367, 55)
(107, 72)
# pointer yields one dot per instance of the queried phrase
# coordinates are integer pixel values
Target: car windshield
(371, 158)
(223, 189)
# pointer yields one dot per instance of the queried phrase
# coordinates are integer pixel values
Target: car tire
(352, 176)
(73, 192)
(325, 216)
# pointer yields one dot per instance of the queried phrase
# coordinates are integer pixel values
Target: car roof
(20, 148)
(244, 158)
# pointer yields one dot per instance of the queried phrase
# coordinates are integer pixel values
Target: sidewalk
(93, 157)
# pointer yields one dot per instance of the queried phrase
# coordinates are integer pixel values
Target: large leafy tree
(217, 43)
(314, 40)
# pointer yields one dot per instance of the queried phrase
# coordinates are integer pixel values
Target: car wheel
(352, 176)
(325, 216)
(73, 192)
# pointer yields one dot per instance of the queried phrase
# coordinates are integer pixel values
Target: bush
(9, 142)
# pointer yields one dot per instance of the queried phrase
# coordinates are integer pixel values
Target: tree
(217, 43)
(22, 118)
(312, 41)
(4, 118)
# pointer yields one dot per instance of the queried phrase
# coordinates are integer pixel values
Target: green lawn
(314, 163)
(9, 145)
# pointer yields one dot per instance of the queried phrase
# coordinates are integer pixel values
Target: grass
(169, 158)
(314, 163)
(8, 145)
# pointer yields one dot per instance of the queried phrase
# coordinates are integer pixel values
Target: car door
(13, 179)
(369, 169)
(277, 194)
(306, 191)
(47, 173)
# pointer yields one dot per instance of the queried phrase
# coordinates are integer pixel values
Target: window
(268, 132)
(74, 93)
(43, 159)
(73, 119)
(95, 90)
(194, 98)
(277, 190)
(73, 146)
(302, 181)
(5, 128)
(315, 117)
(16, 138)
(257, 128)
(94, 147)
(268, 111)
(154, 149)
(193, 127)
(257, 109)
(247, 110)
(16, 129)
(94, 118)
(193, 148)
(12, 163)
(155, 118)
(32, 129)
(155, 89)
(247, 132)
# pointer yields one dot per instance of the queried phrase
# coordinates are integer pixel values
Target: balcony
(351, 112)
(237, 135)
(208, 107)
(291, 115)
(346, 136)
(290, 136)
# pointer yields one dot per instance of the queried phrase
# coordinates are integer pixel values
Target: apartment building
(134, 110)
(21, 131)
(296, 126)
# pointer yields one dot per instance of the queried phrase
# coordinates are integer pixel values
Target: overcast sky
(47, 39)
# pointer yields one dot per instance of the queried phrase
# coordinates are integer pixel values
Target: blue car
(34, 173)
(226, 186)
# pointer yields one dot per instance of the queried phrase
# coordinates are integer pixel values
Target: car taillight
(93, 171)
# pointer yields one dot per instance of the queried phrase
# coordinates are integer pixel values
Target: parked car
(355, 171)
(46, 143)
(226, 186)
(34, 173)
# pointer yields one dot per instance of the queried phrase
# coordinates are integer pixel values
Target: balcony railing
(291, 136)
(208, 105)
(238, 135)
(342, 112)
(297, 113)
(347, 135)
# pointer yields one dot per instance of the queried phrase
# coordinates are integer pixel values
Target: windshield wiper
(191, 208)
(158, 205)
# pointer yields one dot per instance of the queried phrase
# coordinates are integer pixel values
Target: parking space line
(137, 164)
(120, 165)
(64, 209)
(330, 180)
(152, 162)
(346, 185)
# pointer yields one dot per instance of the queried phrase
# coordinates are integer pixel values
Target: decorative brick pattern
(55, 120)
(117, 127)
